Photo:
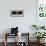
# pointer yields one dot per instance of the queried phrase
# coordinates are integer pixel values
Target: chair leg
(5, 40)
(5, 43)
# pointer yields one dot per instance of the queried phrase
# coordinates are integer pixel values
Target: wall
(24, 23)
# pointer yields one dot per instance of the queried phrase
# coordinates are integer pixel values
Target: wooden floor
(13, 44)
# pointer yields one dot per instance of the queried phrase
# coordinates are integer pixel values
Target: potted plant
(39, 35)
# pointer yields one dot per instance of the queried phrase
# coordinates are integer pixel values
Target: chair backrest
(14, 30)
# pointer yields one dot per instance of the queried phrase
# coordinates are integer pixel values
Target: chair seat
(9, 34)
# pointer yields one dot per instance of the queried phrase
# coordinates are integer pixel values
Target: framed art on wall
(41, 8)
(41, 12)
(17, 13)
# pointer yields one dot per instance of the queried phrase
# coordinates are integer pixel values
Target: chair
(14, 32)
(25, 43)
(7, 35)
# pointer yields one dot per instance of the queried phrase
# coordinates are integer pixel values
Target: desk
(8, 34)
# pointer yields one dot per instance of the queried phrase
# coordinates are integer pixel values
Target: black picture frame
(17, 13)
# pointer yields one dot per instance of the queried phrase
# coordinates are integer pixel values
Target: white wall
(24, 23)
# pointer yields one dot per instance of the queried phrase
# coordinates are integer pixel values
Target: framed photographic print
(41, 12)
(41, 8)
(17, 13)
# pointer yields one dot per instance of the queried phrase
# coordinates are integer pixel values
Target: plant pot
(40, 41)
